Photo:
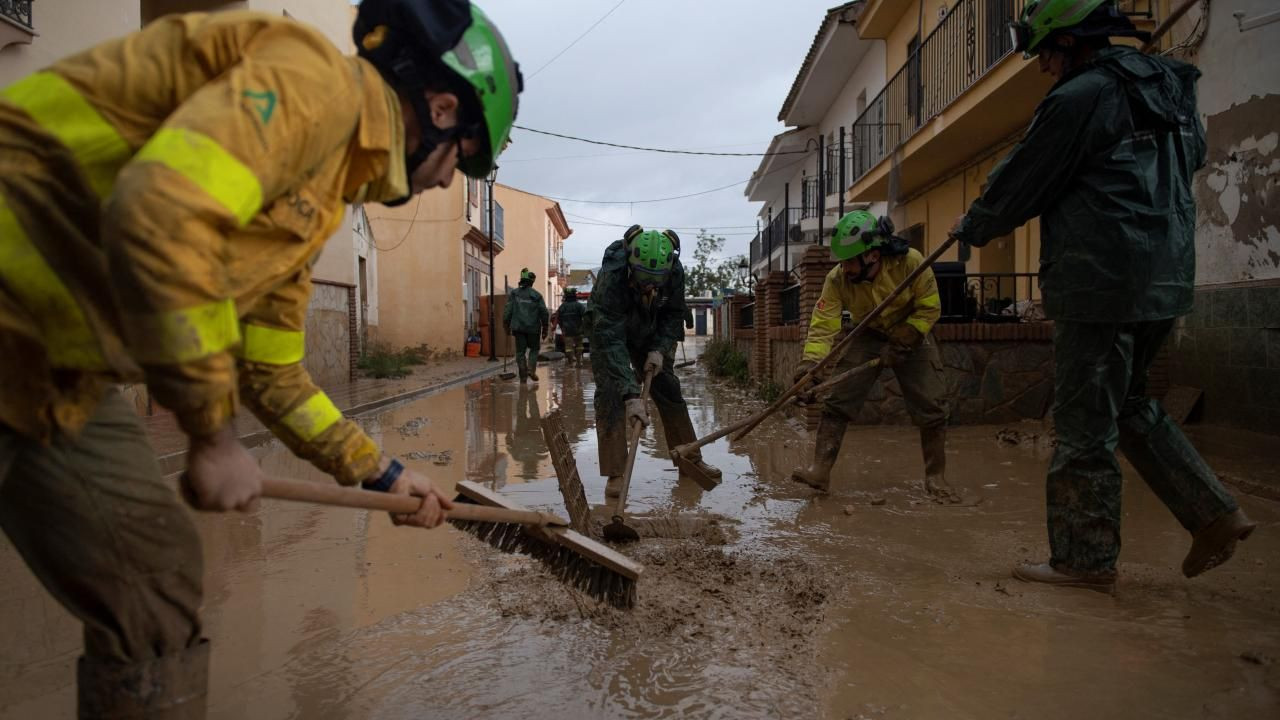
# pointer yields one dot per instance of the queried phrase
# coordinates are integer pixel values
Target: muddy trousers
(919, 376)
(1101, 403)
(611, 432)
(573, 348)
(110, 540)
(527, 346)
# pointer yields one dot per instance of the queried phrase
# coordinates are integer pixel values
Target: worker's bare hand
(221, 474)
(434, 504)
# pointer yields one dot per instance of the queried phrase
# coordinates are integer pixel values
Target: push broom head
(573, 559)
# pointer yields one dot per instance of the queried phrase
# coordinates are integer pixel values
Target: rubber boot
(1216, 543)
(613, 487)
(679, 429)
(1103, 582)
(933, 445)
(826, 448)
(172, 687)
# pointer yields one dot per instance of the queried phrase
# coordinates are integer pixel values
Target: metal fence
(789, 299)
(747, 316)
(809, 197)
(968, 42)
(996, 297)
(18, 11)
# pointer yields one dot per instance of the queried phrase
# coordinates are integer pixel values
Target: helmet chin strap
(430, 138)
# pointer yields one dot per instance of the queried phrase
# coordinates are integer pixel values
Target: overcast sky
(687, 74)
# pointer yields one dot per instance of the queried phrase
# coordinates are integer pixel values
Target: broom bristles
(596, 580)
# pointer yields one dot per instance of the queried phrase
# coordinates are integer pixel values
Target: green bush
(726, 361)
(770, 391)
(380, 361)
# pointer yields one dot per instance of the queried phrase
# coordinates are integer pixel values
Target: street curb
(175, 462)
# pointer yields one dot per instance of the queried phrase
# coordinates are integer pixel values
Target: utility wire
(658, 150)
(597, 221)
(575, 41)
(675, 197)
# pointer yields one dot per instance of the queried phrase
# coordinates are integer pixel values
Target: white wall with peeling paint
(1238, 223)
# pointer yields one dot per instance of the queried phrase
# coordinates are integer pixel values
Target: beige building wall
(419, 270)
(62, 28)
(525, 235)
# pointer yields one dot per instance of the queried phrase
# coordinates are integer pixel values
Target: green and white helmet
(413, 43)
(527, 275)
(859, 231)
(1082, 18)
(651, 254)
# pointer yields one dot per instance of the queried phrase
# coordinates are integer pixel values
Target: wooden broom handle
(750, 423)
(349, 497)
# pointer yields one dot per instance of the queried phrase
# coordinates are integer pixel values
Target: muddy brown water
(805, 607)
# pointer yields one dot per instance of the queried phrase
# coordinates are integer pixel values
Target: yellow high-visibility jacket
(163, 197)
(919, 306)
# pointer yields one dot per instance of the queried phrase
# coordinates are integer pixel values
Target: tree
(708, 273)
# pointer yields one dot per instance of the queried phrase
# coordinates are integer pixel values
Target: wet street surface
(868, 603)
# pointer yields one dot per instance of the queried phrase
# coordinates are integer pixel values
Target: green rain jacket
(569, 316)
(622, 325)
(1107, 164)
(525, 311)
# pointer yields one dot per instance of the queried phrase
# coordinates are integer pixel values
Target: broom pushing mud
(681, 453)
(574, 559)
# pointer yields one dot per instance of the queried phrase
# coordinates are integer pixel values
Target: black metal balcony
(17, 11)
(809, 200)
(970, 40)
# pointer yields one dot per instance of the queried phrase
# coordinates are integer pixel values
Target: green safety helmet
(859, 231)
(1082, 18)
(651, 254)
(415, 43)
(527, 275)
(571, 293)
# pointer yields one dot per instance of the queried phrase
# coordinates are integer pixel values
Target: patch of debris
(412, 428)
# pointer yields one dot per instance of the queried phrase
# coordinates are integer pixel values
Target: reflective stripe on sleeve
(930, 301)
(204, 162)
(69, 340)
(924, 326)
(61, 110)
(180, 336)
(315, 415)
(270, 346)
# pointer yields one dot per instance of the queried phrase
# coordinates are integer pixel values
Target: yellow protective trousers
(163, 197)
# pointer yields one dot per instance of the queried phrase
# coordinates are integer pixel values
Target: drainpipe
(822, 184)
(786, 235)
(840, 186)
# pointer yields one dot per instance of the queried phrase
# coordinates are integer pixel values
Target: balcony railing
(18, 11)
(790, 302)
(970, 40)
(996, 297)
(498, 223)
(809, 200)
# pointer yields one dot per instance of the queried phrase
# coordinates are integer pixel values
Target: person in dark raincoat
(1107, 165)
(636, 317)
(569, 318)
(526, 318)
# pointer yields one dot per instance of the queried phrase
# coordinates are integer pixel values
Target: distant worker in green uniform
(569, 318)
(1107, 166)
(872, 262)
(637, 311)
(527, 319)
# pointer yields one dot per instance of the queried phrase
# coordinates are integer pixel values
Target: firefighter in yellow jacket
(872, 262)
(163, 198)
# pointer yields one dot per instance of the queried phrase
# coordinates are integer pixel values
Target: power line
(507, 161)
(597, 221)
(675, 197)
(575, 40)
(658, 150)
